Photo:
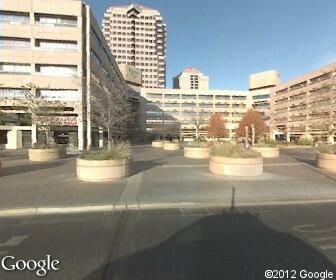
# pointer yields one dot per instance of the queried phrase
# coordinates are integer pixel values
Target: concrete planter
(157, 144)
(0, 167)
(236, 166)
(197, 153)
(102, 170)
(326, 161)
(45, 154)
(267, 152)
(170, 146)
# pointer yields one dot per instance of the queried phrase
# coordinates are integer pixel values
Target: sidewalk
(161, 179)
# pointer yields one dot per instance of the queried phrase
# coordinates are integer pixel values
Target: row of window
(24, 43)
(49, 94)
(52, 70)
(193, 96)
(133, 34)
(125, 16)
(40, 19)
(133, 46)
(133, 22)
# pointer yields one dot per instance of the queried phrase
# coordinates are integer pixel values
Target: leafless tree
(43, 110)
(198, 121)
(109, 105)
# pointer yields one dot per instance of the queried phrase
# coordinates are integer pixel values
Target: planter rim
(196, 148)
(265, 148)
(326, 156)
(45, 149)
(107, 162)
(229, 160)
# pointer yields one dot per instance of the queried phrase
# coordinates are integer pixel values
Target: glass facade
(15, 68)
(14, 17)
(57, 70)
(17, 43)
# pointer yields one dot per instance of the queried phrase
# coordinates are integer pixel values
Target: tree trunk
(109, 138)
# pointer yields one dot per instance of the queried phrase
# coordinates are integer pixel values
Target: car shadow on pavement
(19, 169)
(235, 246)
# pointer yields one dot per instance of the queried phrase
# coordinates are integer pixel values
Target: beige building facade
(306, 106)
(136, 36)
(177, 112)
(191, 78)
(260, 87)
(59, 47)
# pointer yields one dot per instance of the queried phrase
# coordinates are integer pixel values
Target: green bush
(268, 143)
(116, 151)
(305, 142)
(326, 149)
(233, 151)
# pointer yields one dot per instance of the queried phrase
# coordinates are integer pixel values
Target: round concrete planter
(170, 146)
(45, 154)
(102, 170)
(157, 144)
(267, 152)
(326, 161)
(236, 166)
(197, 153)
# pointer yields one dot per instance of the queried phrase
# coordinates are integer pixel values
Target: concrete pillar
(331, 139)
(34, 134)
(101, 138)
(14, 139)
(80, 135)
(288, 137)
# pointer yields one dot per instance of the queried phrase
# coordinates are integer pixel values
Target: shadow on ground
(19, 169)
(233, 246)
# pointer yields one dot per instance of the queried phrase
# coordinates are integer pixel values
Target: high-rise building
(305, 106)
(191, 78)
(59, 48)
(136, 36)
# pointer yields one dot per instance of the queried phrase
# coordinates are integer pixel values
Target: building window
(55, 20)
(11, 93)
(17, 68)
(12, 42)
(56, 70)
(60, 94)
(56, 45)
(14, 17)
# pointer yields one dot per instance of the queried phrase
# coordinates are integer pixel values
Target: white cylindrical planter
(196, 153)
(102, 170)
(170, 146)
(47, 154)
(267, 152)
(236, 166)
(326, 161)
(157, 144)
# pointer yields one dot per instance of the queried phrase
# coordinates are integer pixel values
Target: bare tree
(198, 121)
(43, 110)
(109, 105)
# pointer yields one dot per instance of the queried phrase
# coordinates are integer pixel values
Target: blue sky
(230, 39)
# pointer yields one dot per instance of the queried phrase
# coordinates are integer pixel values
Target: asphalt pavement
(207, 243)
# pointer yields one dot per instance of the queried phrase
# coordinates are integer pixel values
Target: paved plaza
(163, 177)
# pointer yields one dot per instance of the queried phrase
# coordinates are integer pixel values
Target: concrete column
(80, 134)
(288, 137)
(34, 134)
(14, 139)
(101, 138)
(331, 139)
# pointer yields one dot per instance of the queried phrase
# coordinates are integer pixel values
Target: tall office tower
(136, 36)
(191, 78)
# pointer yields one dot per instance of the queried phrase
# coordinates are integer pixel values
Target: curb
(21, 212)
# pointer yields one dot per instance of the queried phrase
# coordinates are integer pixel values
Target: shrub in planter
(42, 152)
(197, 150)
(268, 149)
(326, 157)
(105, 165)
(233, 159)
(305, 142)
